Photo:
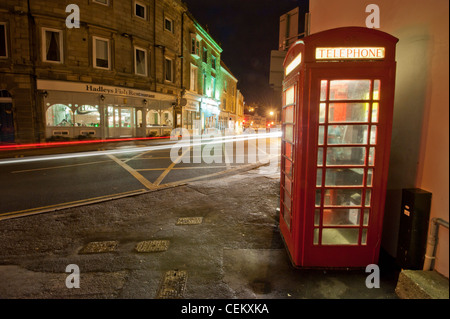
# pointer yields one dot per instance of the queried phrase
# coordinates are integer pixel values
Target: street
(49, 182)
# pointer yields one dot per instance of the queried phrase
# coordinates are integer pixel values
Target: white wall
(420, 141)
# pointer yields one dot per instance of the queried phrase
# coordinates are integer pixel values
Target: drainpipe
(33, 56)
(432, 242)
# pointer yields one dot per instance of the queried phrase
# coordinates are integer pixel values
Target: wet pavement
(210, 239)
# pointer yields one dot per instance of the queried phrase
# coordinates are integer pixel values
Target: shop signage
(350, 53)
(99, 89)
(192, 105)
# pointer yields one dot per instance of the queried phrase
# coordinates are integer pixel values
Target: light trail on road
(179, 144)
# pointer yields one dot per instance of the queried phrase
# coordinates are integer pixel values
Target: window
(140, 61)
(87, 115)
(205, 55)
(3, 41)
(102, 54)
(104, 2)
(59, 115)
(194, 77)
(140, 10)
(204, 84)
(195, 45)
(52, 45)
(168, 24)
(213, 87)
(213, 62)
(169, 70)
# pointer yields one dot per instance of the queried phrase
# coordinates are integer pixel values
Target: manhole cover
(189, 220)
(99, 247)
(173, 285)
(152, 246)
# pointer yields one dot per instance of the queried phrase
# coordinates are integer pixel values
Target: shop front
(75, 110)
(209, 115)
(191, 113)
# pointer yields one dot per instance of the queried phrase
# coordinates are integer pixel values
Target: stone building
(117, 75)
(201, 78)
(131, 68)
(228, 117)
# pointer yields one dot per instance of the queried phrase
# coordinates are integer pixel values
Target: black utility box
(412, 237)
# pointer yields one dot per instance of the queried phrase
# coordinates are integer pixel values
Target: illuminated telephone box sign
(336, 124)
(295, 63)
(350, 53)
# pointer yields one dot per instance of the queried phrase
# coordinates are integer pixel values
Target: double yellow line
(55, 207)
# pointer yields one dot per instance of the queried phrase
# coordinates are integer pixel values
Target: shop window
(152, 118)
(52, 45)
(140, 10)
(102, 54)
(140, 61)
(59, 115)
(87, 116)
(168, 70)
(3, 41)
(166, 118)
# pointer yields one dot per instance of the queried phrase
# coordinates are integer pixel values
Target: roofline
(227, 70)
(204, 33)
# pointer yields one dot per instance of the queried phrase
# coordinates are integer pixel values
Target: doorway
(7, 132)
(121, 121)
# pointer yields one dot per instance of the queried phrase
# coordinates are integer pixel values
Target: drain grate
(152, 246)
(173, 285)
(99, 247)
(190, 220)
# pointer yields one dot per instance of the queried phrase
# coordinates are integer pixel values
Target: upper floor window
(168, 70)
(101, 53)
(3, 41)
(168, 24)
(213, 87)
(140, 10)
(140, 61)
(213, 62)
(204, 83)
(205, 55)
(195, 45)
(194, 78)
(104, 2)
(52, 45)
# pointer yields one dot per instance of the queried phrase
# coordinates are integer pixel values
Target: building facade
(132, 68)
(117, 75)
(228, 117)
(201, 74)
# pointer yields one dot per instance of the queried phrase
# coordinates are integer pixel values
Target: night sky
(247, 30)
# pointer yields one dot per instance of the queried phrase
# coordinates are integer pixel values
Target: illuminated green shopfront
(73, 109)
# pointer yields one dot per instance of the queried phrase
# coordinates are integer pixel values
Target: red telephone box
(338, 96)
